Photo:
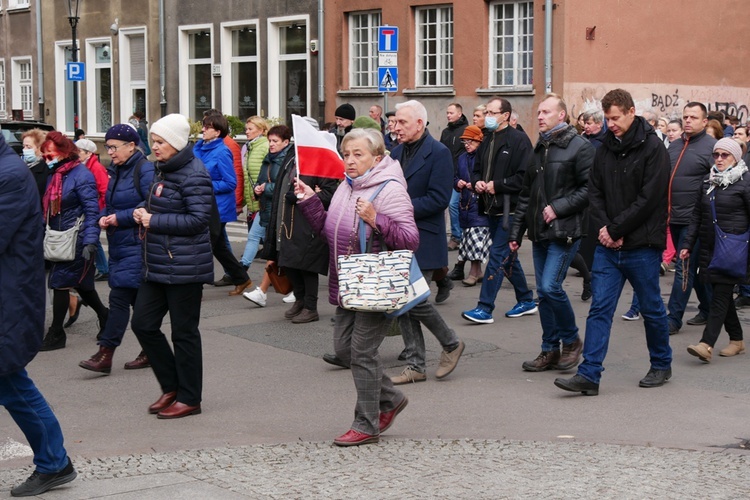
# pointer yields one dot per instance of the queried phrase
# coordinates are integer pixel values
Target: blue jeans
(744, 290)
(120, 302)
(611, 268)
(254, 236)
(678, 299)
(551, 262)
(456, 232)
(100, 259)
(493, 271)
(35, 418)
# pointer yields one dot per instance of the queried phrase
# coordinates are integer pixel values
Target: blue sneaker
(631, 315)
(522, 309)
(478, 315)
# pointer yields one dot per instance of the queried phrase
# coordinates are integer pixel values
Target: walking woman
(70, 195)
(131, 176)
(253, 153)
(357, 335)
(726, 203)
(177, 262)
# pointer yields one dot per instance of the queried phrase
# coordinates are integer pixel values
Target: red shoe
(355, 438)
(179, 410)
(387, 418)
(163, 402)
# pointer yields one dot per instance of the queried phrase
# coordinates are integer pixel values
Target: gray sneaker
(409, 375)
(449, 360)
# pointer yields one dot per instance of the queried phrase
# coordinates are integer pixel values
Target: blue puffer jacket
(21, 263)
(219, 162)
(79, 196)
(125, 247)
(177, 243)
(468, 205)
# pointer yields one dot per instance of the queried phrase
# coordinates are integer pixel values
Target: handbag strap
(364, 245)
(713, 207)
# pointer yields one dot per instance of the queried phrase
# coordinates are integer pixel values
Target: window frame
(274, 24)
(444, 74)
(92, 83)
(185, 62)
(127, 84)
(3, 93)
(18, 84)
(494, 70)
(372, 29)
(19, 4)
(227, 60)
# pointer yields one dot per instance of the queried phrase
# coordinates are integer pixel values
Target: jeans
(551, 262)
(678, 299)
(493, 271)
(180, 370)
(722, 313)
(611, 268)
(254, 236)
(100, 259)
(120, 301)
(35, 418)
(456, 232)
(744, 290)
(411, 330)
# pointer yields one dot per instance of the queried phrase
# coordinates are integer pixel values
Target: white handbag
(60, 246)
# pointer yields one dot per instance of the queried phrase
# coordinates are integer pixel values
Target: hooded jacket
(338, 226)
(219, 162)
(690, 158)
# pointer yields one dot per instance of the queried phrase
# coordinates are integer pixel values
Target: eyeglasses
(111, 148)
(723, 156)
(493, 113)
(469, 141)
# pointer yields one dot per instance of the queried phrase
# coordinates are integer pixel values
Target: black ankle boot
(458, 271)
(55, 339)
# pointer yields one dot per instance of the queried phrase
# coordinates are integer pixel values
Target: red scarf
(53, 195)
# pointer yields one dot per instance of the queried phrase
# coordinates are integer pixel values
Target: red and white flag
(316, 156)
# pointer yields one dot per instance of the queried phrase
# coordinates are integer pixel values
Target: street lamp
(73, 7)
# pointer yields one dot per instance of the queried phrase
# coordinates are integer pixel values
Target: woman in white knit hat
(177, 261)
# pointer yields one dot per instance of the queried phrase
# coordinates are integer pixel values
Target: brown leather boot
(100, 362)
(294, 310)
(139, 362)
(241, 288)
(547, 360)
(571, 354)
(306, 316)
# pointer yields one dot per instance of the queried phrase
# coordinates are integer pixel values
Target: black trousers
(180, 370)
(222, 251)
(722, 312)
(120, 300)
(305, 286)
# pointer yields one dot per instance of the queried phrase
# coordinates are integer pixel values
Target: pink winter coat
(395, 216)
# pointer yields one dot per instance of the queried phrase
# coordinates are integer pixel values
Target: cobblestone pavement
(403, 469)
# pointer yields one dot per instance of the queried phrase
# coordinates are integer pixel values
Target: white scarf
(727, 177)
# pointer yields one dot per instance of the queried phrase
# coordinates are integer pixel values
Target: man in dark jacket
(451, 139)
(628, 202)
(21, 282)
(498, 174)
(691, 160)
(428, 170)
(594, 127)
(552, 205)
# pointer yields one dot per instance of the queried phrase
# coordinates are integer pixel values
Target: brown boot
(306, 316)
(735, 347)
(139, 362)
(294, 310)
(100, 362)
(241, 288)
(571, 354)
(547, 360)
(701, 351)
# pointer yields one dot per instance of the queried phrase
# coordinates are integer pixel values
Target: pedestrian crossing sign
(387, 79)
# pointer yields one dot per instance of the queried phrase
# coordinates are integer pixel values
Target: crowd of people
(616, 195)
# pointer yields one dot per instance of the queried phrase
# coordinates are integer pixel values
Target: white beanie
(86, 145)
(730, 146)
(174, 129)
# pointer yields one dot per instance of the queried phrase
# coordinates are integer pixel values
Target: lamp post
(73, 6)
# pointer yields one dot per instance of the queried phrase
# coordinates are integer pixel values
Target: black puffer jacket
(451, 137)
(559, 177)
(687, 174)
(628, 187)
(733, 215)
(177, 243)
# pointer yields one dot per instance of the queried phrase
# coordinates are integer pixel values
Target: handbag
(60, 246)
(388, 281)
(279, 279)
(730, 250)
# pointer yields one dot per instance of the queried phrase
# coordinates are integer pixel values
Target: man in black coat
(21, 280)
(628, 202)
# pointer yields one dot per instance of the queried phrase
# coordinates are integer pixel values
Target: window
(133, 72)
(240, 85)
(511, 44)
(22, 85)
(435, 47)
(363, 49)
(99, 85)
(18, 4)
(196, 87)
(288, 67)
(64, 88)
(3, 109)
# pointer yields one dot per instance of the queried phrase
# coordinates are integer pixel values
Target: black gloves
(89, 251)
(291, 198)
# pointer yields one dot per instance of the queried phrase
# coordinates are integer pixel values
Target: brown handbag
(279, 279)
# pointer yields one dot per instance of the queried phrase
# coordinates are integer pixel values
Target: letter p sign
(75, 71)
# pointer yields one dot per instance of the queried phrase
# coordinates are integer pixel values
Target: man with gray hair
(428, 169)
(594, 127)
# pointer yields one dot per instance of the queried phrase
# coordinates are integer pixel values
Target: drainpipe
(162, 61)
(321, 60)
(548, 6)
(39, 65)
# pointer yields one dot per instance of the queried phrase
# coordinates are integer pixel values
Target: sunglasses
(723, 156)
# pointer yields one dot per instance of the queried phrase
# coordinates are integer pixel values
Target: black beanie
(346, 110)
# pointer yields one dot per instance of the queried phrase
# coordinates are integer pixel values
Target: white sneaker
(256, 296)
(290, 299)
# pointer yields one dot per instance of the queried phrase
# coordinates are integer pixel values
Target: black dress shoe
(332, 359)
(38, 483)
(577, 383)
(72, 319)
(655, 378)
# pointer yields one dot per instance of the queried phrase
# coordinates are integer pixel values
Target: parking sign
(76, 71)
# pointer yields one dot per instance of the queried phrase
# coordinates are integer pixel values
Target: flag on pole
(315, 155)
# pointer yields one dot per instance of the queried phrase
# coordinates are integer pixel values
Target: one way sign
(387, 79)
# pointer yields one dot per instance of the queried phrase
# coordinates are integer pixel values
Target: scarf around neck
(53, 194)
(727, 177)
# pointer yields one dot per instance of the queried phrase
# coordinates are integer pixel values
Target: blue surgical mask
(29, 156)
(490, 123)
(51, 163)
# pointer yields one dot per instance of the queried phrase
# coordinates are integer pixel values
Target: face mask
(29, 156)
(51, 163)
(490, 123)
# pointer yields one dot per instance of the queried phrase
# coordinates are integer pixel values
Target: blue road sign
(76, 71)
(387, 39)
(387, 79)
